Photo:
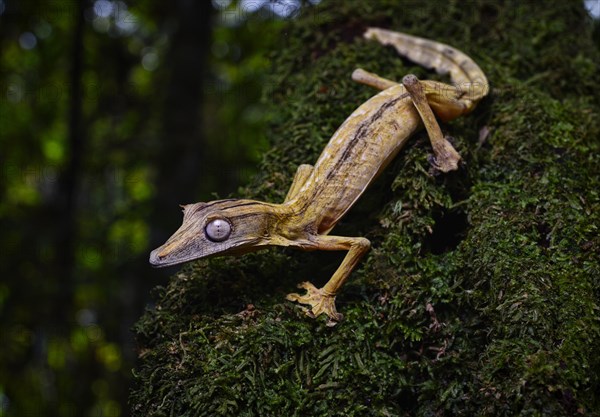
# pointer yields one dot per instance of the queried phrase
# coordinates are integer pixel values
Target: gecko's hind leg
(373, 80)
(302, 173)
(445, 157)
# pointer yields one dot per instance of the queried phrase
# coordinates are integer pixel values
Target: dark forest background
(111, 114)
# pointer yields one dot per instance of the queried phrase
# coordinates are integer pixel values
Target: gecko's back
(374, 133)
(358, 151)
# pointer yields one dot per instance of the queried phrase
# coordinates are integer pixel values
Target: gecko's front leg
(302, 173)
(322, 300)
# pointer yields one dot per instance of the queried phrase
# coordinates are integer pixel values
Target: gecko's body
(358, 151)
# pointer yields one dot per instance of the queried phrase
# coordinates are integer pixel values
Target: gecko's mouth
(158, 261)
(158, 258)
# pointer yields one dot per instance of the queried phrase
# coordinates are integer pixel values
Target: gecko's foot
(445, 158)
(319, 301)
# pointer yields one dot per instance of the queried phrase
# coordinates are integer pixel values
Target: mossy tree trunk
(480, 294)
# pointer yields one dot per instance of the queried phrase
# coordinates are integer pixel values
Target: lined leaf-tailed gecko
(322, 193)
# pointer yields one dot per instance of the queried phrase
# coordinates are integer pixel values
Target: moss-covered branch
(480, 295)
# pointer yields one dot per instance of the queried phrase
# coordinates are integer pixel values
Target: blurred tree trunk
(181, 150)
(70, 177)
(179, 154)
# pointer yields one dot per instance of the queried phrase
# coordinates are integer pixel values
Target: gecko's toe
(302, 299)
(332, 322)
(311, 293)
(308, 286)
(434, 168)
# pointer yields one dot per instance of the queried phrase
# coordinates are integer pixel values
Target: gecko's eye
(218, 230)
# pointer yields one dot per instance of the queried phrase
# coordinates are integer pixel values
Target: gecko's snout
(155, 259)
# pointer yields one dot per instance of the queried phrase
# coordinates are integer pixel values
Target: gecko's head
(215, 228)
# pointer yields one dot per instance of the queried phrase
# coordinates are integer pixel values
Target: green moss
(480, 295)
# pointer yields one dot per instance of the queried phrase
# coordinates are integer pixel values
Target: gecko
(356, 154)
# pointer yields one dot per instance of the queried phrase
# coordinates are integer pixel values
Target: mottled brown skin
(358, 151)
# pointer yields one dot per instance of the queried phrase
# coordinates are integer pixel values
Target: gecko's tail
(464, 72)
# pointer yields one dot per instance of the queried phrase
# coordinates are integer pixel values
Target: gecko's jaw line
(160, 260)
(156, 260)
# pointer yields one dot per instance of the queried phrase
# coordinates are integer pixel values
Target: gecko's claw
(319, 301)
(434, 171)
(445, 158)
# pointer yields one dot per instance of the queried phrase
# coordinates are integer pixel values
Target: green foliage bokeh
(65, 330)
